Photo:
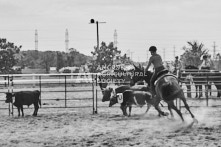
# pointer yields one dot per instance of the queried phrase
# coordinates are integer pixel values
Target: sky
(167, 24)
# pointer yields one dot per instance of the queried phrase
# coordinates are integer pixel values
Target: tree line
(11, 55)
(106, 55)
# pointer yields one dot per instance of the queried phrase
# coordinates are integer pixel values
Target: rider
(156, 60)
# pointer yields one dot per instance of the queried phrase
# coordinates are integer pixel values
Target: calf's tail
(39, 99)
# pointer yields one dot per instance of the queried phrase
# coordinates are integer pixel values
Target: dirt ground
(79, 127)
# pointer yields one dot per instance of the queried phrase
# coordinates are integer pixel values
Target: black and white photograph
(110, 73)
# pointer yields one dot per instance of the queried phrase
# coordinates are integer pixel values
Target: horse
(167, 88)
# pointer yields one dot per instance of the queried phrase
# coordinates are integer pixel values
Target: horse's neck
(148, 76)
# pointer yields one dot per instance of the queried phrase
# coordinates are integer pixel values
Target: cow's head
(9, 97)
(113, 101)
(107, 92)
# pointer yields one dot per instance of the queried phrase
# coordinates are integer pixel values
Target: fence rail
(80, 90)
(198, 82)
(54, 88)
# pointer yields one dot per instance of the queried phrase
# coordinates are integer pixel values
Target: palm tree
(193, 53)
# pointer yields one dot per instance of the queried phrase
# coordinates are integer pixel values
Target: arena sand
(79, 127)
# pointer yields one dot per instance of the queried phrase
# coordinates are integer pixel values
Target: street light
(92, 22)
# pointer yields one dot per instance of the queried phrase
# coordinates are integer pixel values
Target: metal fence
(202, 85)
(80, 90)
(74, 90)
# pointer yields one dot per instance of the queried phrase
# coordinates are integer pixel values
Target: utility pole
(66, 40)
(131, 55)
(115, 38)
(36, 39)
(214, 50)
(174, 51)
(128, 53)
(164, 54)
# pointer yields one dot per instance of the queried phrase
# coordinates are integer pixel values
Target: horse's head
(136, 75)
(140, 75)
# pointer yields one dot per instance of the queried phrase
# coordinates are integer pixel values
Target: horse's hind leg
(187, 106)
(171, 112)
(171, 105)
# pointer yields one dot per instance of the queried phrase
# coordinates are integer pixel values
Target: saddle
(162, 74)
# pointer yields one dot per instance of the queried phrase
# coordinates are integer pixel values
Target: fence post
(40, 87)
(96, 96)
(93, 91)
(65, 95)
(9, 106)
(10, 89)
(12, 92)
(207, 94)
